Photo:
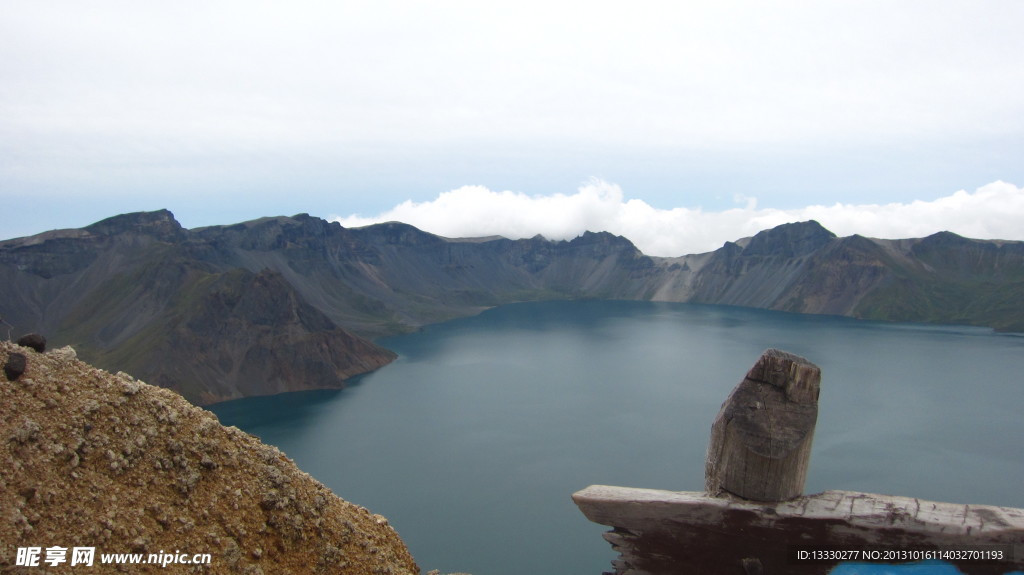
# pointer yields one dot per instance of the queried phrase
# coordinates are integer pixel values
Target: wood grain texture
(662, 532)
(760, 445)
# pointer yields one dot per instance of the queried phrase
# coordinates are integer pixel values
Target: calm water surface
(473, 441)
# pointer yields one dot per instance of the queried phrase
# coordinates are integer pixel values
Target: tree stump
(760, 443)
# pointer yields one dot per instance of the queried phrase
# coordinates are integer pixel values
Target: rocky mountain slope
(92, 459)
(286, 303)
(138, 293)
(804, 268)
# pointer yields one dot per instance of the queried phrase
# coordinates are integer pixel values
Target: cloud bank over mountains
(993, 211)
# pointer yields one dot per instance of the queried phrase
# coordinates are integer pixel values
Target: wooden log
(760, 443)
(667, 532)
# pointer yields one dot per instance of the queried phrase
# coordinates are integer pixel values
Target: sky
(680, 125)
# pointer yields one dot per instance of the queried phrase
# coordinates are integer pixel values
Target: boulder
(15, 366)
(34, 341)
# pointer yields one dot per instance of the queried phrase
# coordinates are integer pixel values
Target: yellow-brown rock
(98, 460)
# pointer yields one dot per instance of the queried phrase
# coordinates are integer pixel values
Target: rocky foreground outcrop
(91, 459)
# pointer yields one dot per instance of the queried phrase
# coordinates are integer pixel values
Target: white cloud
(993, 211)
(114, 100)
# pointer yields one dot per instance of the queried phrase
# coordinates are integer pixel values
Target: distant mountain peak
(589, 236)
(945, 237)
(790, 240)
(399, 233)
(159, 223)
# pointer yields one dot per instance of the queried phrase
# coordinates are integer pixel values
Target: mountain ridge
(285, 303)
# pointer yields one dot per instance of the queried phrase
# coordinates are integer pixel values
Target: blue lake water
(473, 441)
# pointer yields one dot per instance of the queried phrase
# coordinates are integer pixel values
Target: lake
(473, 441)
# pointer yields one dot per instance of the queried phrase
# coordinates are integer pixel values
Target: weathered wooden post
(760, 443)
(753, 520)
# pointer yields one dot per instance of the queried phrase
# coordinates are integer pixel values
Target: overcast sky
(678, 124)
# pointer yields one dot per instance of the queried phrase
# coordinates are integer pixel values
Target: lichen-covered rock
(99, 460)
